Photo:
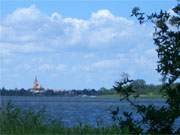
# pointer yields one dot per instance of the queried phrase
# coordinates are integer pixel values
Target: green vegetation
(157, 119)
(15, 121)
(139, 85)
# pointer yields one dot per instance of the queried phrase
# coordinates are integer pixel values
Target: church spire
(36, 80)
(36, 86)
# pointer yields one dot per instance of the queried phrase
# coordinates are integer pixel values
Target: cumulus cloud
(102, 45)
(102, 29)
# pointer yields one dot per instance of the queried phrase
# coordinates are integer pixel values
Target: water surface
(75, 110)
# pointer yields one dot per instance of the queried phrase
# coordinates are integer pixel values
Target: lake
(72, 111)
(75, 110)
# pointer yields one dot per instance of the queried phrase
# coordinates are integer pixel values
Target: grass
(15, 121)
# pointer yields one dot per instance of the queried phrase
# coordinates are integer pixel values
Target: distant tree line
(139, 85)
(49, 92)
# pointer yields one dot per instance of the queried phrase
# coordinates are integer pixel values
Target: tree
(166, 37)
(139, 84)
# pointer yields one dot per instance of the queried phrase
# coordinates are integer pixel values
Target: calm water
(74, 110)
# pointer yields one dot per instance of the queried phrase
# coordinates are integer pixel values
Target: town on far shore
(143, 89)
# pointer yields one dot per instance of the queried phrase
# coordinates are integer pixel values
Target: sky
(76, 44)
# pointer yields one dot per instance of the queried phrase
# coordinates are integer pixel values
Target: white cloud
(123, 61)
(106, 64)
(42, 67)
(102, 45)
(101, 30)
(104, 13)
(22, 17)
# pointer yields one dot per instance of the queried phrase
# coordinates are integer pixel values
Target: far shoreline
(113, 96)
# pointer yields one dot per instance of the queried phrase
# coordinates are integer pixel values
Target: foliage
(155, 119)
(49, 92)
(167, 40)
(139, 85)
(15, 121)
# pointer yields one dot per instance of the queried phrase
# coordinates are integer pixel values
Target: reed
(16, 121)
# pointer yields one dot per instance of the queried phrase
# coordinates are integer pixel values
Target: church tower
(36, 86)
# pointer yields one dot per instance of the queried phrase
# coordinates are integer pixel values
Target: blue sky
(76, 44)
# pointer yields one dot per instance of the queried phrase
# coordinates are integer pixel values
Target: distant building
(36, 87)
